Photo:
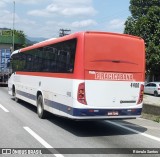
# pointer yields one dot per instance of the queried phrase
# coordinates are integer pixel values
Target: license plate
(113, 113)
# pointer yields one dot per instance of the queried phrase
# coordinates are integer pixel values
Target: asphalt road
(20, 127)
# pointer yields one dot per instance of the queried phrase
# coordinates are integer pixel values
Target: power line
(63, 32)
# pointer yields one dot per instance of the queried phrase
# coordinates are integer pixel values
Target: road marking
(135, 131)
(3, 108)
(38, 138)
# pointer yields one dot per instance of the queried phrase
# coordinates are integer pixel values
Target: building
(6, 39)
(6, 47)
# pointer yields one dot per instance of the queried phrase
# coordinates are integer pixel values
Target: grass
(157, 120)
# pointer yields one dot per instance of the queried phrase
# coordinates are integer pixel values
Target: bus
(82, 76)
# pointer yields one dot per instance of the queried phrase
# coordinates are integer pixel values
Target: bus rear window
(109, 52)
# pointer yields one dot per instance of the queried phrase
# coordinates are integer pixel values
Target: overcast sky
(44, 18)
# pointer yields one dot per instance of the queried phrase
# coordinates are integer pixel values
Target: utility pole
(13, 24)
(63, 32)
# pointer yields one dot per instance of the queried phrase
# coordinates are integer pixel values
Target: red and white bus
(86, 75)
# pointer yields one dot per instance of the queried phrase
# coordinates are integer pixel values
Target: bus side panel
(57, 92)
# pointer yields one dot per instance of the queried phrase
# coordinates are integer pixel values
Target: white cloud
(78, 11)
(28, 1)
(51, 28)
(48, 17)
(116, 24)
(70, 3)
(67, 8)
(10, 2)
(40, 13)
(84, 23)
(6, 19)
(2, 4)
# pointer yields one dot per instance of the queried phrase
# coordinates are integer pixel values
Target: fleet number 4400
(135, 85)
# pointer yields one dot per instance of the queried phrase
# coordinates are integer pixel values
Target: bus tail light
(81, 96)
(140, 99)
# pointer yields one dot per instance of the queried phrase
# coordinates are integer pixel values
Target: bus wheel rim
(40, 108)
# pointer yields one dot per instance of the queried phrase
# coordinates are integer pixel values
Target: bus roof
(14, 52)
(70, 36)
(45, 41)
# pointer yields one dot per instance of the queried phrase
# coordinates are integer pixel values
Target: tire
(40, 107)
(156, 93)
(14, 94)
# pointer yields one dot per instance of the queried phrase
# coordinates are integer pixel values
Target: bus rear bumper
(95, 113)
(103, 117)
(106, 113)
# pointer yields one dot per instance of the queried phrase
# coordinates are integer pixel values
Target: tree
(21, 36)
(6, 37)
(145, 22)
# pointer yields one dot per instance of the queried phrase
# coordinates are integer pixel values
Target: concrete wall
(151, 109)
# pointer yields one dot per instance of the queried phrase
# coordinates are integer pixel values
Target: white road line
(135, 131)
(3, 108)
(38, 138)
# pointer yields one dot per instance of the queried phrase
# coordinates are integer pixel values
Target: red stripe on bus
(137, 77)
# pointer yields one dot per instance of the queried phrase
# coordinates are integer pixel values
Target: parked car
(152, 88)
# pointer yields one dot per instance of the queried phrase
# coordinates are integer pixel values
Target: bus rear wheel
(40, 107)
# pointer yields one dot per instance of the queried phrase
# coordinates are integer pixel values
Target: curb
(151, 109)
